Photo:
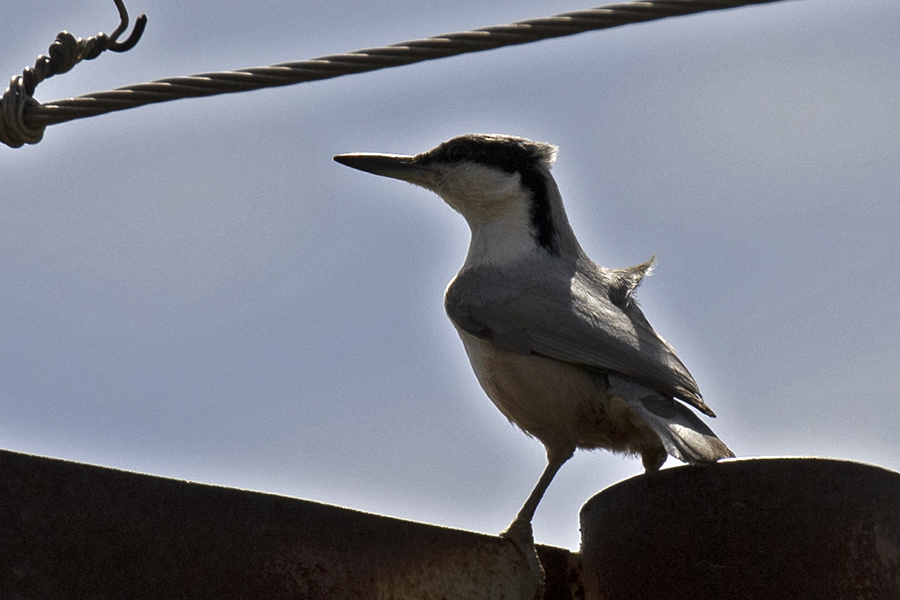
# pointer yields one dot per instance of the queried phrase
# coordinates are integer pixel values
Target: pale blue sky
(196, 290)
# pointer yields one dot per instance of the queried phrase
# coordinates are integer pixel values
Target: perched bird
(557, 342)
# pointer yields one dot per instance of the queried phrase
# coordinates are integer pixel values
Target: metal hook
(139, 25)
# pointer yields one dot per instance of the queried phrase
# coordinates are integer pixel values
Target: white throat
(500, 240)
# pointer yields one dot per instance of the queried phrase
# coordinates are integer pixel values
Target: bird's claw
(521, 535)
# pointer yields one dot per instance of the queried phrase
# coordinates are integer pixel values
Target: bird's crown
(504, 152)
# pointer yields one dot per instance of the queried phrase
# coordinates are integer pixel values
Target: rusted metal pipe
(72, 531)
(772, 529)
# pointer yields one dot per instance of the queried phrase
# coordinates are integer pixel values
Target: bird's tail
(683, 434)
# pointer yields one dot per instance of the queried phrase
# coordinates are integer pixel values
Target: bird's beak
(395, 166)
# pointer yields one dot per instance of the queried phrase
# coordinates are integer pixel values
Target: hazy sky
(196, 290)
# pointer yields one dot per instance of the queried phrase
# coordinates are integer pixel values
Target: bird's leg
(520, 533)
(522, 524)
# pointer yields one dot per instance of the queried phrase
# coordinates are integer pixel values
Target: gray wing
(572, 318)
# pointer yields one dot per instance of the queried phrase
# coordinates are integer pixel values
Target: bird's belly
(561, 404)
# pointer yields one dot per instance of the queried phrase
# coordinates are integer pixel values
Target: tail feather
(683, 434)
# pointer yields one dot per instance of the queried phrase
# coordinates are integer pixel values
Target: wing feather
(569, 317)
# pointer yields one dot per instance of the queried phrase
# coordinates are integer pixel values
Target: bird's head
(501, 184)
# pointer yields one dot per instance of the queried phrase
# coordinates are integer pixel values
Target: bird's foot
(522, 537)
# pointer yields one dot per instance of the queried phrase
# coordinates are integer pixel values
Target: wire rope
(23, 119)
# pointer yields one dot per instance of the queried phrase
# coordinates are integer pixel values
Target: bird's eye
(459, 152)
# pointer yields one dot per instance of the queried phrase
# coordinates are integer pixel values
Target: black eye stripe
(459, 152)
(508, 155)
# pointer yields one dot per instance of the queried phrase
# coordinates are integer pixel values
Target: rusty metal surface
(563, 570)
(74, 531)
(784, 528)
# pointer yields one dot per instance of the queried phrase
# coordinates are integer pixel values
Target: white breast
(561, 404)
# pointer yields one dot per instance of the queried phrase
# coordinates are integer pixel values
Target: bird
(557, 342)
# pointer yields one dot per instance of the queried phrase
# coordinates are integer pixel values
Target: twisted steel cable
(23, 119)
